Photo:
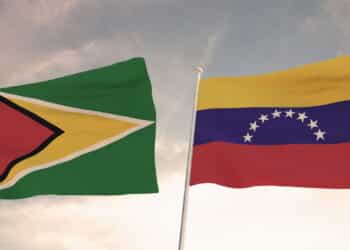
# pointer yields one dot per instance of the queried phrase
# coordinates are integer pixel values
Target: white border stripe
(140, 125)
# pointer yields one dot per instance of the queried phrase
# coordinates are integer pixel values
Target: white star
(248, 137)
(313, 124)
(254, 126)
(290, 113)
(263, 118)
(276, 114)
(320, 134)
(302, 117)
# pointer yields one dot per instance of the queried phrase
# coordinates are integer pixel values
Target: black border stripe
(56, 133)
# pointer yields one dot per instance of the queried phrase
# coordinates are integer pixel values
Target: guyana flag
(90, 133)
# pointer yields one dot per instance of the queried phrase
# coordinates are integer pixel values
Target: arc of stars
(302, 116)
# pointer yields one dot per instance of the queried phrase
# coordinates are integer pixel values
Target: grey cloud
(41, 27)
(46, 39)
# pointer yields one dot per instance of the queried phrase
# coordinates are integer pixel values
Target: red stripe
(235, 165)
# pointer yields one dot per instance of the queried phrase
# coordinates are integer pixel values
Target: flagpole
(199, 71)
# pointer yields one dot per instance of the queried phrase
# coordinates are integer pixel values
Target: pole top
(199, 69)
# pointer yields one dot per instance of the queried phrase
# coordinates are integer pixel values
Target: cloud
(124, 222)
(213, 42)
(331, 23)
(44, 12)
(46, 39)
(67, 61)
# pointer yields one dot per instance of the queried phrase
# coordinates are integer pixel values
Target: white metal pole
(199, 71)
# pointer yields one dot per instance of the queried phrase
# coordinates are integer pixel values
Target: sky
(46, 39)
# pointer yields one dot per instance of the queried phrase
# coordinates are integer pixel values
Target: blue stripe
(230, 125)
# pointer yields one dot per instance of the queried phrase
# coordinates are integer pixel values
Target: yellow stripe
(309, 85)
(80, 131)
